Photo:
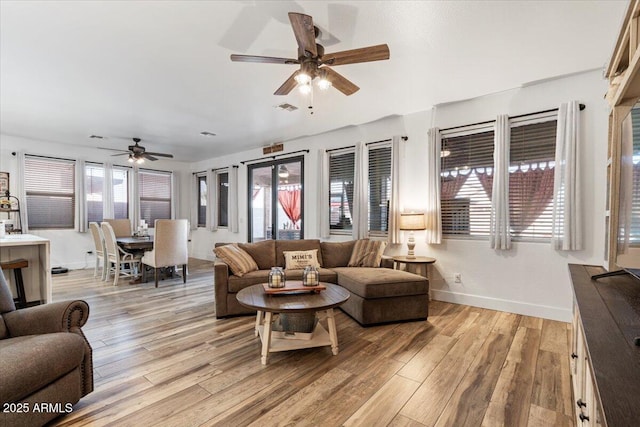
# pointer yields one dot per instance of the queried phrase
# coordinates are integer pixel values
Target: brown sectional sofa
(378, 295)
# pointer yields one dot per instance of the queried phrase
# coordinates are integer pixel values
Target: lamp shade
(412, 221)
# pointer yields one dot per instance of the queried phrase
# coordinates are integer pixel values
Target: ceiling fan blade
(159, 154)
(341, 83)
(288, 85)
(120, 154)
(263, 59)
(112, 149)
(305, 33)
(148, 156)
(364, 54)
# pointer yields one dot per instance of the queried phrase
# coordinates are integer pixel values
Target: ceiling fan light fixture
(140, 160)
(302, 78)
(305, 89)
(324, 84)
(130, 159)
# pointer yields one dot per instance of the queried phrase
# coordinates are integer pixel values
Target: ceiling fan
(137, 153)
(314, 61)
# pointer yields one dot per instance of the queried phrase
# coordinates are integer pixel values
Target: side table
(418, 265)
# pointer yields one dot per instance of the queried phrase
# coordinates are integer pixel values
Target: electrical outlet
(457, 277)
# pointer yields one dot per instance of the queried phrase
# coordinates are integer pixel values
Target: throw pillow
(367, 253)
(298, 260)
(238, 260)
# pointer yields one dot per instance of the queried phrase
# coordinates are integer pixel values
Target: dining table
(137, 244)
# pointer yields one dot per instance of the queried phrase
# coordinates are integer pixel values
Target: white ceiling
(160, 70)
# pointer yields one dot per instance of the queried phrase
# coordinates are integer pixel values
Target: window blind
(50, 192)
(120, 193)
(532, 162)
(223, 199)
(94, 182)
(202, 200)
(154, 189)
(379, 188)
(341, 178)
(466, 178)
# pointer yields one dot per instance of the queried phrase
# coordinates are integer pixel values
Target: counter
(37, 277)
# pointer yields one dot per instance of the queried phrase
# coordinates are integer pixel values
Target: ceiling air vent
(286, 106)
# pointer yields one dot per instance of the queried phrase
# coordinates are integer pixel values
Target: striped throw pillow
(238, 260)
(367, 253)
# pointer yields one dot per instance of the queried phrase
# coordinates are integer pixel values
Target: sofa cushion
(236, 284)
(336, 254)
(239, 261)
(263, 253)
(370, 282)
(30, 362)
(296, 245)
(367, 253)
(298, 260)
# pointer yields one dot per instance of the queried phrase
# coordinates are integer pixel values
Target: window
(94, 180)
(50, 192)
(341, 178)
(223, 199)
(532, 162)
(155, 195)
(467, 180)
(202, 200)
(94, 183)
(379, 190)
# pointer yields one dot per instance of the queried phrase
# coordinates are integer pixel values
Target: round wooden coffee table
(256, 298)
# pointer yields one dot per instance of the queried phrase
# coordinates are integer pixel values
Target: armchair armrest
(63, 316)
(386, 262)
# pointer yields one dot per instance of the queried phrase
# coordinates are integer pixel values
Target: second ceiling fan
(314, 61)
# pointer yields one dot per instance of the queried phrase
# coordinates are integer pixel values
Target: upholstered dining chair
(169, 246)
(121, 227)
(98, 241)
(119, 262)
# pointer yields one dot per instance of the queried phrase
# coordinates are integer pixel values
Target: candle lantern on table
(276, 277)
(310, 276)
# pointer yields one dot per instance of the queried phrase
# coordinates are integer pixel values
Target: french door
(276, 194)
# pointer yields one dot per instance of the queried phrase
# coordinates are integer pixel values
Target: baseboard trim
(517, 307)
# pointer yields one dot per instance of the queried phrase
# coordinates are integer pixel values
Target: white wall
(68, 247)
(531, 278)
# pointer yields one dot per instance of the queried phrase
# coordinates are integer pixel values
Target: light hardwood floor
(161, 358)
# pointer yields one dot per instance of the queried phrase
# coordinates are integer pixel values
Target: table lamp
(411, 221)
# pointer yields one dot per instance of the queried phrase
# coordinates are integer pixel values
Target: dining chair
(169, 246)
(116, 258)
(121, 227)
(98, 241)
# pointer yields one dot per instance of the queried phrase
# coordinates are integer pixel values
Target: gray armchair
(44, 359)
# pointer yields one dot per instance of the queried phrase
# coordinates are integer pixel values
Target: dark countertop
(610, 312)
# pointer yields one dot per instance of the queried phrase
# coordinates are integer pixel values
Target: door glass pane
(289, 200)
(260, 179)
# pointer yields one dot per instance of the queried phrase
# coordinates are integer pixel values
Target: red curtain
(486, 180)
(530, 193)
(290, 202)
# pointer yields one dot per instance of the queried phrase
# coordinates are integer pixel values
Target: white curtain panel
(134, 198)
(397, 156)
(360, 205)
(81, 198)
(433, 218)
(499, 222)
(107, 192)
(22, 193)
(233, 200)
(323, 194)
(193, 202)
(212, 203)
(567, 213)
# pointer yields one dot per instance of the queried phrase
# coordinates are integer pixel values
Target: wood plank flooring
(161, 358)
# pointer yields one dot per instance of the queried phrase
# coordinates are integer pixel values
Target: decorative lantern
(276, 277)
(310, 276)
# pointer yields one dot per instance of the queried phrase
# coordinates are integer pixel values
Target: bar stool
(17, 265)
